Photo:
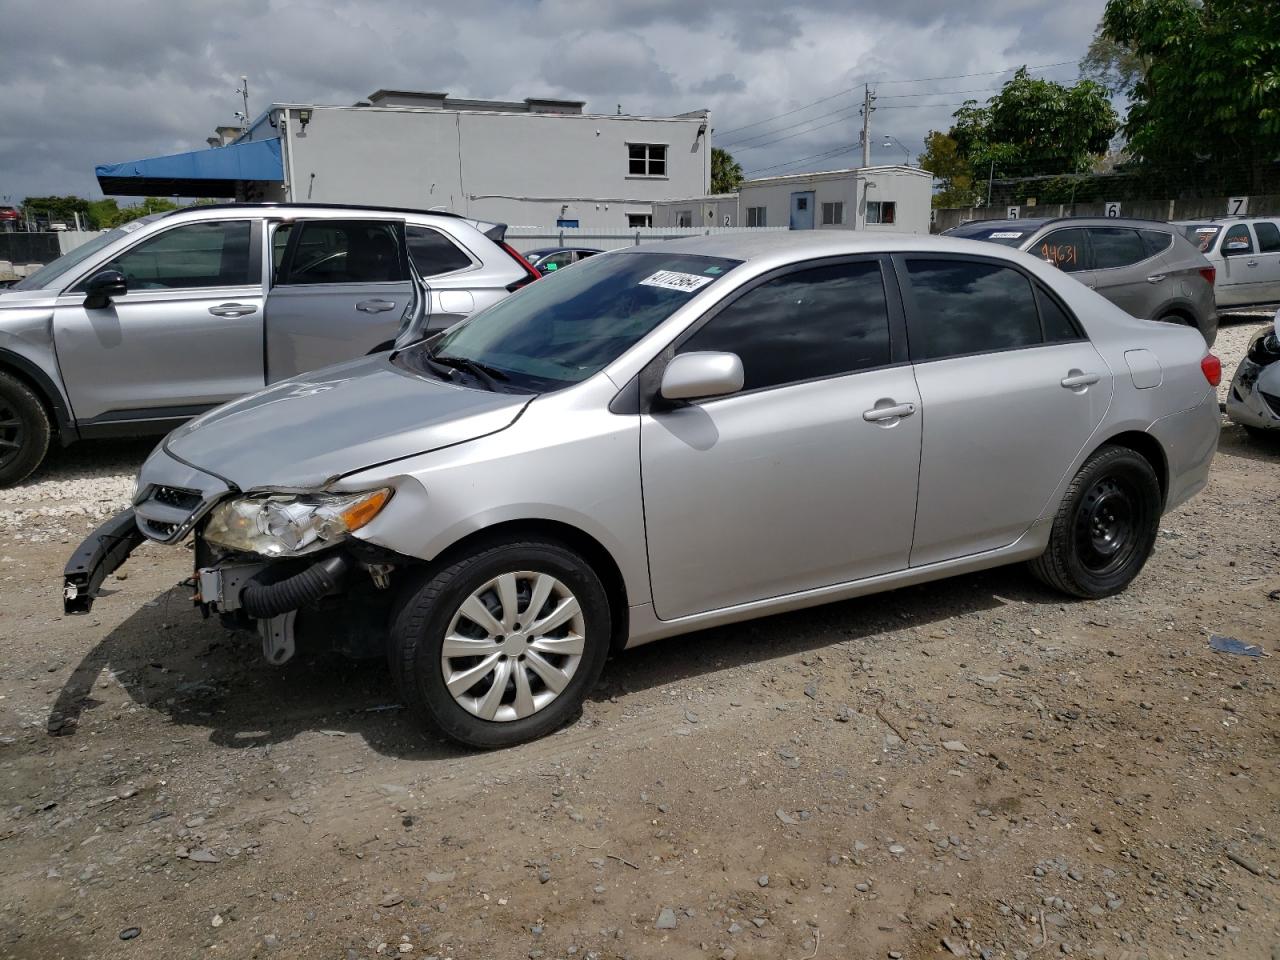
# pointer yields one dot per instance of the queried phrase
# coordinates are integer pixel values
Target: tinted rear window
(967, 307)
(1268, 236)
(1116, 247)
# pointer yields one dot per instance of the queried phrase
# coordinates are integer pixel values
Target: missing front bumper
(102, 553)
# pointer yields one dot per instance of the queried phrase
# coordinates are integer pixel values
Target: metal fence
(532, 238)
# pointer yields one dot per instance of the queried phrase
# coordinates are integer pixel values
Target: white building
(889, 198)
(538, 162)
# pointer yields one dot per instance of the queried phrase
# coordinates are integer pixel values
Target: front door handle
(1155, 278)
(233, 309)
(375, 306)
(1251, 263)
(1074, 380)
(892, 411)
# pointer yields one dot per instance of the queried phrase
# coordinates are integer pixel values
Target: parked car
(9, 219)
(1145, 267)
(1254, 398)
(1246, 254)
(554, 258)
(672, 437)
(175, 313)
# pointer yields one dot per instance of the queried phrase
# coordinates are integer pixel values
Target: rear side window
(1116, 247)
(1065, 249)
(1268, 236)
(1156, 241)
(813, 323)
(432, 252)
(964, 307)
(344, 251)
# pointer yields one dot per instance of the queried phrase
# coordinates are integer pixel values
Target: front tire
(1105, 528)
(24, 430)
(503, 645)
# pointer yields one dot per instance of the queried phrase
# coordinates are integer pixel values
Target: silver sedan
(673, 437)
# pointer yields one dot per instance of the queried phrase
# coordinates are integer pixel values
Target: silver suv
(1147, 268)
(168, 316)
(671, 437)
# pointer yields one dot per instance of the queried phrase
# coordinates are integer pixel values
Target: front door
(187, 336)
(802, 210)
(807, 477)
(339, 292)
(1010, 393)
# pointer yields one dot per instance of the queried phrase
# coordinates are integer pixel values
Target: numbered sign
(1237, 206)
(1113, 208)
(933, 215)
(1012, 213)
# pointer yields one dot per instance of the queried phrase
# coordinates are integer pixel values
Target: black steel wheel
(24, 430)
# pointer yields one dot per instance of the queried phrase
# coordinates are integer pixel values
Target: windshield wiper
(481, 371)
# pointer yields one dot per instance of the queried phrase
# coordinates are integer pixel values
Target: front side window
(50, 272)
(964, 307)
(832, 213)
(1237, 240)
(432, 252)
(1268, 236)
(882, 211)
(756, 217)
(572, 323)
(647, 159)
(344, 251)
(1065, 249)
(192, 256)
(813, 323)
(1116, 247)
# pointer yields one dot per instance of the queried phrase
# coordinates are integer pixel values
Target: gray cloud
(84, 82)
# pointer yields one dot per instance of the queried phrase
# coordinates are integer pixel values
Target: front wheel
(24, 430)
(1106, 527)
(503, 645)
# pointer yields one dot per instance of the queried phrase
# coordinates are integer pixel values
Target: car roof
(1030, 224)
(316, 206)
(784, 246)
(543, 251)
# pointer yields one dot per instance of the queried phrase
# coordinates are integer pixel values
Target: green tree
(1113, 65)
(943, 159)
(1205, 114)
(55, 209)
(726, 173)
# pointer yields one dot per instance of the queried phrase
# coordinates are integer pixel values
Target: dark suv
(1146, 267)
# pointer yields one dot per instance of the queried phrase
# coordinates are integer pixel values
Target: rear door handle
(893, 412)
(233, 309)
(1080, 380)
(375, 306)
(1155, 278)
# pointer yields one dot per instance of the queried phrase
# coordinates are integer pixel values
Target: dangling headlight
(285, 524)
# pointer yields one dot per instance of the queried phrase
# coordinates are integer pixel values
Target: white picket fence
(604, 238)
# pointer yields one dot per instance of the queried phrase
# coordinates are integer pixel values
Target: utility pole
(243, 90)
(868, 98)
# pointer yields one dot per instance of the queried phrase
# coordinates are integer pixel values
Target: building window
(684, 218)
(756, 217)
(832, 213)
(882, 211)
(639, 219)
(562, 223)
(647, 159)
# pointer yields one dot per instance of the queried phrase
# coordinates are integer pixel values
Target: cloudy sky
(85, 82)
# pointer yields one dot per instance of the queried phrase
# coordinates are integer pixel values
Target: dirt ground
(969, 768)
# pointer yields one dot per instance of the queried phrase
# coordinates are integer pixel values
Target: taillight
(1211, 367)
(530, 272)
(1209, 273)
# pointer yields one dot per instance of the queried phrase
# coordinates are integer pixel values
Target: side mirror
(696, 376)
(104, 286)
(1236, 247)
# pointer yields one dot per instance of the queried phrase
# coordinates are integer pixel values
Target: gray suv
(173, 314)
(1147, 268)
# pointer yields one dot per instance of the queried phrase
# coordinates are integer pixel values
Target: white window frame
(649, 160)
(836, 209)
(879, 207)
(760, 216)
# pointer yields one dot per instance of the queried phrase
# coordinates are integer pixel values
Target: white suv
(1246, 253)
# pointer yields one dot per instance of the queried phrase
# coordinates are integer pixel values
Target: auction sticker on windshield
(674, 280)
(1006, 235)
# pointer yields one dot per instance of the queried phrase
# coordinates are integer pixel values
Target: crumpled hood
(306, 431)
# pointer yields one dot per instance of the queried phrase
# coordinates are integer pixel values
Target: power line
(939, 93)
(788, 113)
(988, 73)
(817, 156)
(801, 133)
(770, 133)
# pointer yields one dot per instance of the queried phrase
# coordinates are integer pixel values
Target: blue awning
(201, 173)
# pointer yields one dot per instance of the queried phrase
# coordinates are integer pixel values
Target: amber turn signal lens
(360, 513)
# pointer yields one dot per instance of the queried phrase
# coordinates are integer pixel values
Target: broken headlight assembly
(290, 525)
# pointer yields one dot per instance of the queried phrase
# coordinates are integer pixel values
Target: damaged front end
(1254, 398)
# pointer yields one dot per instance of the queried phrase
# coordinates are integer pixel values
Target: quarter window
(964, 307)
(756, 217)
(1058, 325)
(1157, 241)
(195, 255)
(1116, 247)
(882, 211)
(345, 251)
(1065, 249)
(832, 213)
(1268, 236)
(813, 323)
(432, 252)
(647, 159)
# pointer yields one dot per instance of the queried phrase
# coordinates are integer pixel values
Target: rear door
(1267, 233)
(1125, 272)
(339, 292)
(187, 336)
(1238, 276)
(1010, 392)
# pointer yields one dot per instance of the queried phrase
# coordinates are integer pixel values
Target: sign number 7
(1237, 206)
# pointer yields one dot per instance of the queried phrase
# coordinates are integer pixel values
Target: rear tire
(1105, 528)
(531, 669)
(24, 430)
(1261, 435)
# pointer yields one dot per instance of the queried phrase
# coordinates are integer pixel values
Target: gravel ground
(972, 768)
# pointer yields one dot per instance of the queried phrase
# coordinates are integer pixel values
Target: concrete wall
(721, 210)
(533, 238)
(1204, 207)
(908, 187)
(516, 168)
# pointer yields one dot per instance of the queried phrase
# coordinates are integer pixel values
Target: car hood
(26, 298)
(303, 433)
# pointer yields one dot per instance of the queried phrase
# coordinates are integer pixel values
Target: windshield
(51, 271)
(572, 323)
(1201, 234)
(1000, 233)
